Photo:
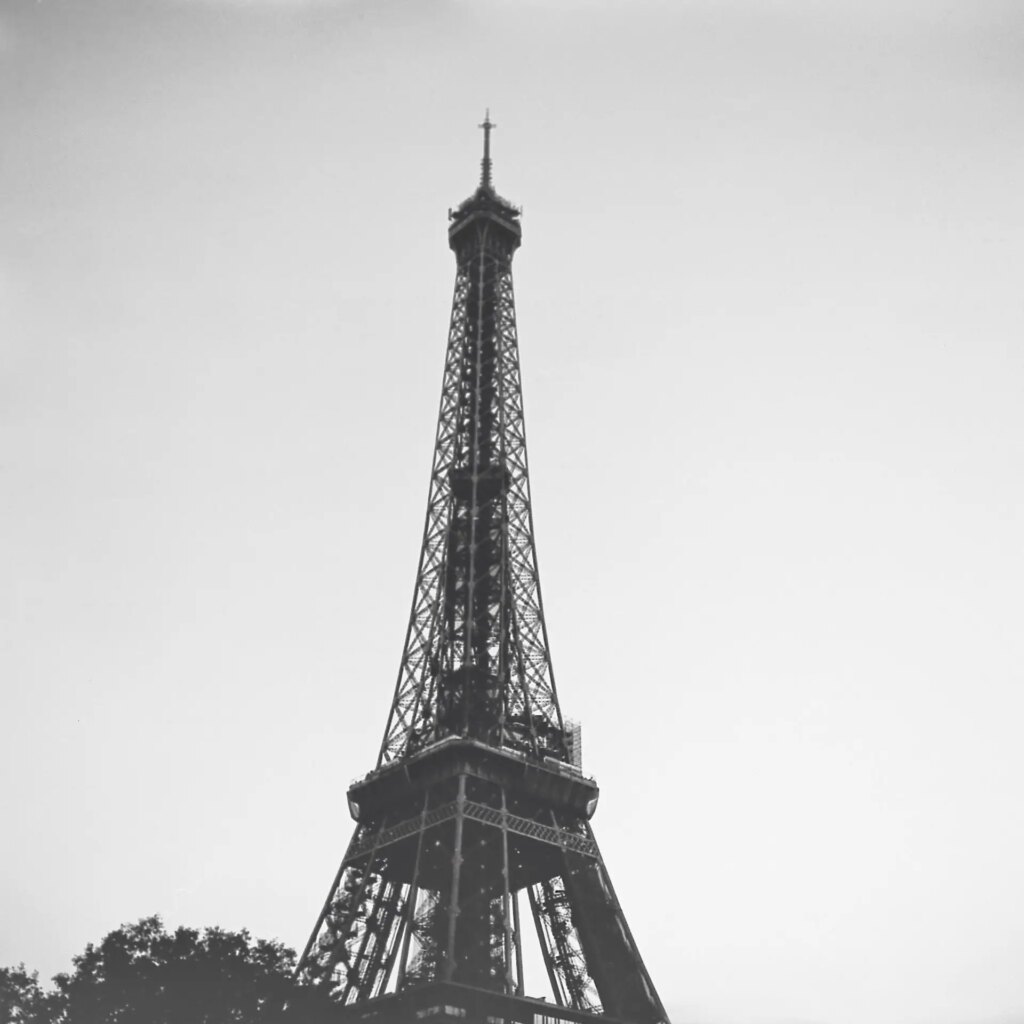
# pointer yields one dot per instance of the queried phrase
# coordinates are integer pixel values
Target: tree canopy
(22, 999)
(143, 974)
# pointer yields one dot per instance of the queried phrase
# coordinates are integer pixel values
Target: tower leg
(506, 898)
(453, 906)
(414, 892)
(519, 943)
(612, 957)
(546, 948)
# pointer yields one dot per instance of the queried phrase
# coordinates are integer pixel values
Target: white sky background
(771, 318)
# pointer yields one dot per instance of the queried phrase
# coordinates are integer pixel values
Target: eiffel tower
(473, 834)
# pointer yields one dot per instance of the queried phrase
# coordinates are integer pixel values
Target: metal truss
(478, 812)
(476, 655)
(352, 948)
(563, 954)
(428, 892)
(452, 912)
(603, 940)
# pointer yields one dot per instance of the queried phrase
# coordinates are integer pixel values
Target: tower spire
(485, 164)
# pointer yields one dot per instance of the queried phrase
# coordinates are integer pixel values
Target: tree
(22, 999)
(143, 974)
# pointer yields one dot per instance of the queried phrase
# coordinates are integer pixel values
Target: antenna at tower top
(485, 164)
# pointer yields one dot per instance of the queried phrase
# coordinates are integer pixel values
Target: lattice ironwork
(476, 658)
(560, 945)
(478, 812)
(452, 836)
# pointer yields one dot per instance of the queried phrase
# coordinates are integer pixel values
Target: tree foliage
(22, 999)
(143, 974)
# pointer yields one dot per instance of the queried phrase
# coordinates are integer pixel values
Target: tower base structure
(449, 1003)
(449, 844)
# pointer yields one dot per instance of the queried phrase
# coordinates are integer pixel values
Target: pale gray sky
(771, 324)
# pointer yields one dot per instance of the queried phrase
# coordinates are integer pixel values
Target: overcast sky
(771, 323)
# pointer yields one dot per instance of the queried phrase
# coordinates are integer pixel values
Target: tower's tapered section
(473, 837)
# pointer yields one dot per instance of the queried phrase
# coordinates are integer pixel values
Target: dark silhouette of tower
(475, 823)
